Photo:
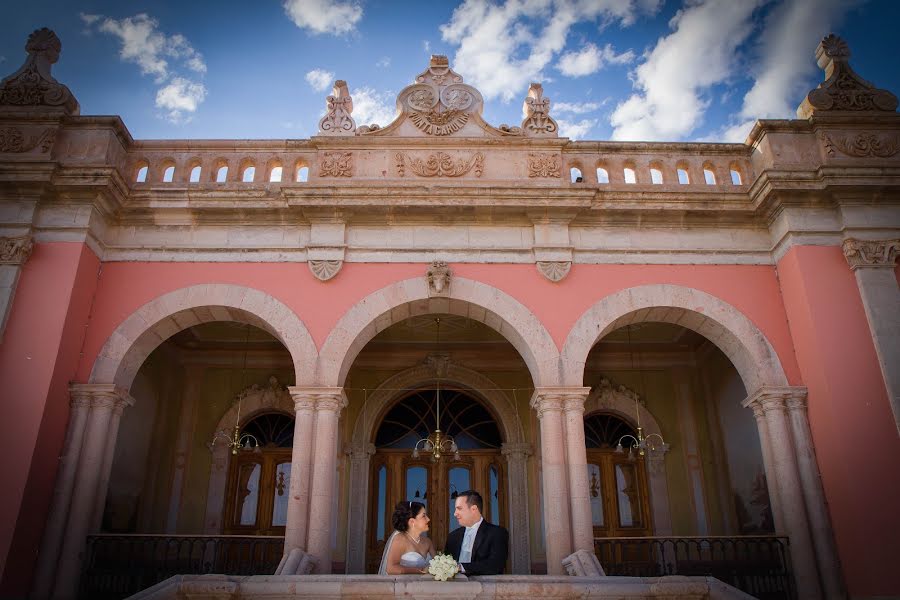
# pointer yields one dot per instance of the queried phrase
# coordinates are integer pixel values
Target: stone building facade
(739, 301)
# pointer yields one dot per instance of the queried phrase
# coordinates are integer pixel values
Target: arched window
(656, 175)
(575, 175)
(302, 174)
(272, 430)
(735, 177)
(629, 175)
(275, 174)
(249, 174)
(196, 172)
(683, 177)
(603, 430)
(709, 175)
(169, 174)
(602, 175)
(141, 175)
(222, 174)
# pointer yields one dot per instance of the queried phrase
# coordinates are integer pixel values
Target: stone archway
(722, 324)
(134, 339)
(255, 400)
(466, 298)
(514, 448)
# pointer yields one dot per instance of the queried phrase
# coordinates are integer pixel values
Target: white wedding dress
(408, 559)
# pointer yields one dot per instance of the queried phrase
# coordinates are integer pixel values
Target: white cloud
(426, 46)
(320, 79)
(89, 19)
(576, 108)
(324, 16)
(591, 59)
(384, 62)
(180, 96)
(785, 61)
(573, 130)
(700, 52)
(502, 48)
(370, 107)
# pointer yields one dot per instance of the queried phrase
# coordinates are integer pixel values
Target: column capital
(360, 451)
(516, 450)
(871, 253)
(15, 250)
(769, 398)
(321, 398)
(559, 398)
(99, 395)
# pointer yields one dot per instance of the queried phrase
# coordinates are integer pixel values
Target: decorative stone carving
(13, 139)
(15, 251)
(439, 363)
(536, 111)
(544, 165)
(323, 270)
(438, 276)
(554, 270)
(510, 129)
(871, 253)
(336, 164)
(440, 164)
(337, 121)
(32, 84)
(843, 90)
(862, 144)
(583, 564)
(607, 391)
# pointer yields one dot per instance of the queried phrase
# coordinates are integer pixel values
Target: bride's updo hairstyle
(403, 512)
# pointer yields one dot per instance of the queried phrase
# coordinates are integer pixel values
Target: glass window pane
(282, 493)
(382, 500)
(628, 496)
(458, 478)
(595, 484)
(417, 484)
(248, 493)
(495, 494)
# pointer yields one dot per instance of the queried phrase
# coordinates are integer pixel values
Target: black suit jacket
(488, 552)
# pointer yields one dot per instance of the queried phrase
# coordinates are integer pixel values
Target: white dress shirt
(465, 551)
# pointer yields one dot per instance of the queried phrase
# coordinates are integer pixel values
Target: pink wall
(853, 428)
(38, 358)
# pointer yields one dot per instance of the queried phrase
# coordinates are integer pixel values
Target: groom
(479, 547)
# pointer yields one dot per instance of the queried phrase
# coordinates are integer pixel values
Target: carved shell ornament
(323, 270)
(554, 270)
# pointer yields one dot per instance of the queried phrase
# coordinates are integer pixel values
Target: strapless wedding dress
(414, 559)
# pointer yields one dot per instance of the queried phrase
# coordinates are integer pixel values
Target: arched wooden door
(259, 481)
(397, 476)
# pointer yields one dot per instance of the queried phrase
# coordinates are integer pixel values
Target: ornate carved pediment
(440, 164)
(871, 253)
(438, 276)
(32, 84)
(843, 89)
(536, 111)
(337, 121)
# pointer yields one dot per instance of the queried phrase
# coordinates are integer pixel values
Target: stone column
(814, 495)
(360, 455)
(873, 264)
(106, 467)
(329, 402)
(576, 458)
(782, 472)
(14, 252)
(765, 443)
(62, 494)
(301, 461)
(557, 526)
(186, 423)
(517, 493)
(105, 399)
(659, 491)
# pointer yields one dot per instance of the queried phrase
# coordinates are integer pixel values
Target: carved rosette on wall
(339, 105)
(13, 139)
(323, 270)
(862, 145)
(544, 165)
(438, 276)
(336, 164)
(554, 270)
(844, 90)
(32, 84)
(536, 108)
(871, 253)
(440, 164)
(16, 250)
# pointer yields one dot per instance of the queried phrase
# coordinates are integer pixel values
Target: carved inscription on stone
(336, 164)
(13, 139)
(440, 164)
(544, 165)
(862, 145)
(433, 122)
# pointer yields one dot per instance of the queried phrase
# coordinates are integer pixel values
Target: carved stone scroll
(13, 139)
(544, 165)
(323, 270)
(32, 84)
(440, 164)
(536, 110)
(862, 145)
(554, 270)
(843, 90)
(16, 250)
(336, 164)
(438, 276)
(337, 121)
(871, 253)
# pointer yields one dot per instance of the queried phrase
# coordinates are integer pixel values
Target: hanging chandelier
(644, 443)
(437, 443)
(237, 440)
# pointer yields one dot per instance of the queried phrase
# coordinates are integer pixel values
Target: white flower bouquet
(443, 567)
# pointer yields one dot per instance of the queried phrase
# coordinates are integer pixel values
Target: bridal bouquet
(443, 567)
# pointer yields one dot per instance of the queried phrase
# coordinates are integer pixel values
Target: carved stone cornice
(33, 85)
(100, 395)
(339, 106)
(15, 250)
(871, 253)
(438, 276)
(775, 398)
(843, 89)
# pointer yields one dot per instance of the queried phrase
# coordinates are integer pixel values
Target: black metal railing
(116, 566)
(758, 565)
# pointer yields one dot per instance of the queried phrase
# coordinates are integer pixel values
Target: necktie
(465, 553)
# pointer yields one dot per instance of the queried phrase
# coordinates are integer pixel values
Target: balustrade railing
(116, 566)
(758, 565)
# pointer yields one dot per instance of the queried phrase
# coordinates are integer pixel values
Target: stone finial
(536, 112)
(438, 276)
(843, 89)
(32, 84)
(337, 121)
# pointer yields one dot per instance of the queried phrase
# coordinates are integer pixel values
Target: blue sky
(613, 69)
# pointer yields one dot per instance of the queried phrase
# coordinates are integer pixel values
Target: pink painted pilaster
(301, 466)
(557, 525)
(322, 501)
(576, 458)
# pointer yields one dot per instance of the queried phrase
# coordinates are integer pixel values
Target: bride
(407, 550)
